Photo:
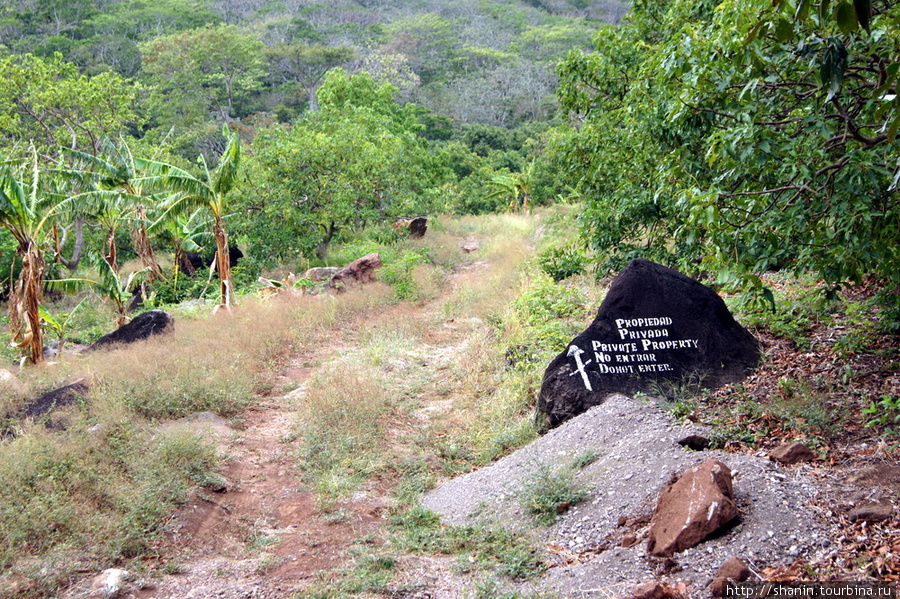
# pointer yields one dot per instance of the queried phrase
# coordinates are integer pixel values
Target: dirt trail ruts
(264, 536)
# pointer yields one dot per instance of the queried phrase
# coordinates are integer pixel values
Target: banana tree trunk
(145, 249)
(111, 254)
(24, 304)
(223, 263)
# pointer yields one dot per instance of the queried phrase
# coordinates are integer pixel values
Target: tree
(754, 135)
(188, 192)
(193, 74)
(307, 65)
(356, 162)
(49, 102)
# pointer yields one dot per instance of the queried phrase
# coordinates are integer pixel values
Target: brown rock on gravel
(791, 453)
(733, 569)
(648, 590)
(692, 508)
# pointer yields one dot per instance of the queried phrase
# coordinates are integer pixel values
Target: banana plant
(209, 191)
(114, 195)
(516, 186)
(59, 323)
(27, 212)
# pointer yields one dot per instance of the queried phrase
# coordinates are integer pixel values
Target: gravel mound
(599, 546)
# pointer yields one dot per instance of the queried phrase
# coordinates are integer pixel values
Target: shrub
(562, 262)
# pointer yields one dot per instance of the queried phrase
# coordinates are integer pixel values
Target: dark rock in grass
(694, 442)
(193, 261)
(692, 508)
(657, 331)
(417, 227)
(358, 272)
(44, 407)
(144, 325)
(791, 453)
(64, 396)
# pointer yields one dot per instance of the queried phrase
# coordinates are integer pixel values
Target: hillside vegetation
(284, 446)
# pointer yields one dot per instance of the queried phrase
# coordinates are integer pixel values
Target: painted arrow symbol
(576, 351)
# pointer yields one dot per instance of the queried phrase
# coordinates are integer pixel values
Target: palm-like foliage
(516, 186)
(114, 195)
(25, 211)
(188, 192)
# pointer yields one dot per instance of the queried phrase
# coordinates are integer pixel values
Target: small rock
(733, 569)
(791, 453)
(648, 590)
(109, 583)
(359, 271)
(875, 511)
(469, 246)
(692, 508)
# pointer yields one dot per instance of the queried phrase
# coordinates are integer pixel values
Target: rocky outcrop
(692, 508)
(321, 273)
(657, 331)
(358, 272)
(144, 325)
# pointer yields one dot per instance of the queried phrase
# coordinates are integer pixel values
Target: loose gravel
(634, 442)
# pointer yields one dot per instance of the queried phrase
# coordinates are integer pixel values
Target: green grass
(487, 548)
(548, 492)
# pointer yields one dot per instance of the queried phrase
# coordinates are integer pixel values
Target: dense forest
(726, 139)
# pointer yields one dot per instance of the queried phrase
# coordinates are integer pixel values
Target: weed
(548, 492)
(267, 563)
(341, 430)
(585, 458)
(798, 305)
(884, 413)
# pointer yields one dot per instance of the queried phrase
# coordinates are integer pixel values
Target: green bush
(562, 262)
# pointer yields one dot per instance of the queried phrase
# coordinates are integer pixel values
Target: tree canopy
(738, 137)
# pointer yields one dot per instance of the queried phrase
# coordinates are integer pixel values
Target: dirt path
(264, 535)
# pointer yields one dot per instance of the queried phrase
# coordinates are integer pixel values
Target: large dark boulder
(146, 324)
(193, 261)
(655, 332)
(418, 227)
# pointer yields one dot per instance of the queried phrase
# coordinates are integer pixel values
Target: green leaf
(824, 5)
(863, 10)
(846, 18)
(784, 31)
